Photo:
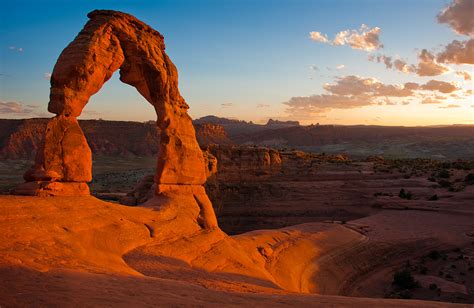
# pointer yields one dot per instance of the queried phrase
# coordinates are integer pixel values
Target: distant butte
(112, 41)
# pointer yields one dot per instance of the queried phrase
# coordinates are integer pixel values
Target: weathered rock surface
(113, 41)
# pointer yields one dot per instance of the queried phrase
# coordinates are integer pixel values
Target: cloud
(364, 38)
(263, 105)
(353, 91)
(397, 64)
(17, 49)
(355, 85)
(459, 16)
(318, 37)
(464, 75)
(440, 86)
(382, 59)
(428, 66)
(16, 108)
(450, 106)
(225, 105)
(340, 66)
(431, 100)
(403, 67)
(458, 52)
(348, 92)
(306, 107)
(47, 76)
(313, 68)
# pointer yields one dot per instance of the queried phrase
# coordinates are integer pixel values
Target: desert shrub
(469, 179)
(423, 270)
(444, 183)
(433, 198)
(434, 255)
(444, 173)
(404, 280)
(405, 194)
(433, 286)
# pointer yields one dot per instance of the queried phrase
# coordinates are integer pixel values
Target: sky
(330, 61)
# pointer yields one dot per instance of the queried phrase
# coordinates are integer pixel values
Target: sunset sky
(333, 62)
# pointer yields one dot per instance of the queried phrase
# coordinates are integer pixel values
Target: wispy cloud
(364, 38)
(450, 106)
(227, 105)
(16, 108)
(430, 100)
(464, 75)
(14, 48)
(395, 64)
(263, 106)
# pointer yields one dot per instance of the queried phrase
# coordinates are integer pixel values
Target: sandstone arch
(112, 41)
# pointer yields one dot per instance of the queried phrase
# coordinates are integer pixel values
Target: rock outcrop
(208, 133)
(113, 41)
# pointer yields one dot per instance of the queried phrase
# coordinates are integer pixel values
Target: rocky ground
(370, 218)
(84, 251)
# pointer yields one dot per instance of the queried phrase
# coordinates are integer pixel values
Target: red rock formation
(108, 42)
(208, 133)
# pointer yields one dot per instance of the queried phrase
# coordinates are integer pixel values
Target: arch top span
(112, 41)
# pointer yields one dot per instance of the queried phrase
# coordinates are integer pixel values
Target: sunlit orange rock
(113, 41)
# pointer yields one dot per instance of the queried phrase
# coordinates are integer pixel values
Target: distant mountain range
(19, 139)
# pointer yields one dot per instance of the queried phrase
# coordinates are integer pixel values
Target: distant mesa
(211, 119)
(112, 41)
(282, 123)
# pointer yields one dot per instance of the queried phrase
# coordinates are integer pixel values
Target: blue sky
(240, 59)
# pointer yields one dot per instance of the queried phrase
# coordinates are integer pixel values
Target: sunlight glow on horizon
(246, 65)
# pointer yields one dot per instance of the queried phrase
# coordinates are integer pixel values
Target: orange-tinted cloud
(458, 52)
(464, 75)
(450, 106)
(431, 100)
(355, 85)
(441, 86)
(365, 38)
(318, 37)
(428, 66)
(397, 64)
(459, 15)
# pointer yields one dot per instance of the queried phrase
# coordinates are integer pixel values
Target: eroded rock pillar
(63, 163)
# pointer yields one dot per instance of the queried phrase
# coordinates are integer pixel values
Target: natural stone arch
(112, 41)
